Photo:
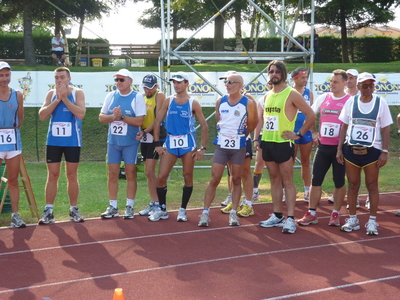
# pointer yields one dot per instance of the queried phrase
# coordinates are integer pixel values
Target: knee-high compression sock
(187, 192)
(162, 195)
(256, 179)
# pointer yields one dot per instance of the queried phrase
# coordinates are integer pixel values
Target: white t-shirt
(384, 117)
(57, 42)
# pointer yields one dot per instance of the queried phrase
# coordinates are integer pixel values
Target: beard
(275, 80)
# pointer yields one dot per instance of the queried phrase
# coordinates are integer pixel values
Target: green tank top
(275, 119)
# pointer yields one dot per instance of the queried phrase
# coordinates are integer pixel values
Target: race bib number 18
(330, 130)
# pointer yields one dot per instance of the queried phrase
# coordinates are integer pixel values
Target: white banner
(96, 85)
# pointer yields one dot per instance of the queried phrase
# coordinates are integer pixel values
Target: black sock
(256, 179)
(162, 196)
(187, 192)
(278, 215)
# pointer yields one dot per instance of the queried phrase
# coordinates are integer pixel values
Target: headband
(299, 74)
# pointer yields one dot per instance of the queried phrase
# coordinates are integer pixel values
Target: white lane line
(196, 263)
(338, 287)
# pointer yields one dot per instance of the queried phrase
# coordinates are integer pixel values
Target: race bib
(178, 141)
(7, 136)
(147, 138)
(119, 128)
(229, 142)
(61, 129)
(271, 123)
(363, 133)
(330, 130)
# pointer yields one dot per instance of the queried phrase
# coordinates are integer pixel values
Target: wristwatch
(203, 148)
(299, 134)
(122, 117)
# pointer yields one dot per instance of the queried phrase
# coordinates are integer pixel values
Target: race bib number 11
(61, 129)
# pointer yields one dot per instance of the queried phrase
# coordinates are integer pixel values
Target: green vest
(275, 120)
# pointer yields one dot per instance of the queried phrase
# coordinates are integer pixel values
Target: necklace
(284, 87)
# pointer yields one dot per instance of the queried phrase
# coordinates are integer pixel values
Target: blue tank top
(119, 132)
(300, 116)
(179, 119)
(10, 139)
(65, 129)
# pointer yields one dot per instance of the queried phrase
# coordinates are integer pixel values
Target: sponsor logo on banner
(384, 88)
(202, 92)
(113, 87)
(25, 84)
(256, 88)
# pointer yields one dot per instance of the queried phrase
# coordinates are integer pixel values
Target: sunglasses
(366, 86)
(119, 79)
(274, 71)
(230, 81)
(178, 77)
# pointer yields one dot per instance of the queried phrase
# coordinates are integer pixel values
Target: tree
(353, 15)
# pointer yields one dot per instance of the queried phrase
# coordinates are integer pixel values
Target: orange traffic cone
(118, 294)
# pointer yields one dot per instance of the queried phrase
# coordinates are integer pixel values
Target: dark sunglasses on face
(230, 81)
(366, 86)
(274, 71)
(119, 79)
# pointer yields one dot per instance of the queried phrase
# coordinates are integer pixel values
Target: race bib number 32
(271, 123)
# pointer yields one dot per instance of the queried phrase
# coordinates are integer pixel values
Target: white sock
(130, 202)
(312, 212)
(248, 202)
(114, 203)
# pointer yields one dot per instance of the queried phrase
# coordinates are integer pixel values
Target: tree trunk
(79, 41)
(29, 49)
(218, 42)
(343, 31)
(66, 47)
(238, 29)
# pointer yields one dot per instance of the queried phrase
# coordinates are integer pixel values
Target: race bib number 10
(61, 129)
(178, 141)
(7, 136)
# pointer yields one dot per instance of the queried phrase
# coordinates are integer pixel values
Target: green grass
(93, 197)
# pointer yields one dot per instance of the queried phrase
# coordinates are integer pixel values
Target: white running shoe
(182, 217)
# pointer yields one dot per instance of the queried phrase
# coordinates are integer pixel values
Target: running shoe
(243, 201)
(47, 217)
(397, 213)
(331, 199)
(246, 211)
(227, 201)
(306, 199)
(158, 214)
(350, 225)
(111, 212)
(367, 204)
(273, 221)
(182, 217)
(334, 220)
(74, 215)
(227, 209)
(129, 212)
(308, 219)
(289, 226)
(372, 227)
(357, 204)
(204, 219)
(233, 219)
(147, 211)
(16, 221)
(255, 197)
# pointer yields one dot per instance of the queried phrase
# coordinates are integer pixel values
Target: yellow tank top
(275, 119)
(150, 110)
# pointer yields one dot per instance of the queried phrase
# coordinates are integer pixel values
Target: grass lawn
(94, 196)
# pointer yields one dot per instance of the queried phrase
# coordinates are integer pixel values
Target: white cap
(3, 65)
(353, 72)
(124, 72)
(227, 74)
(180, 76)
(365, 76)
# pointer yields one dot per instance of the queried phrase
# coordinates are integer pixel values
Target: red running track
(171, 260)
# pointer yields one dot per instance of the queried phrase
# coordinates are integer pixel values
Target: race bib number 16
(7, 136)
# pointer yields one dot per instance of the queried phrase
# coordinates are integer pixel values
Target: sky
(121, 27)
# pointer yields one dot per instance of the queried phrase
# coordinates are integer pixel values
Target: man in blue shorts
(124, 109)
(11, 117)
(65, 105)
(179, 111)
(236, 118)
(363, 145)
